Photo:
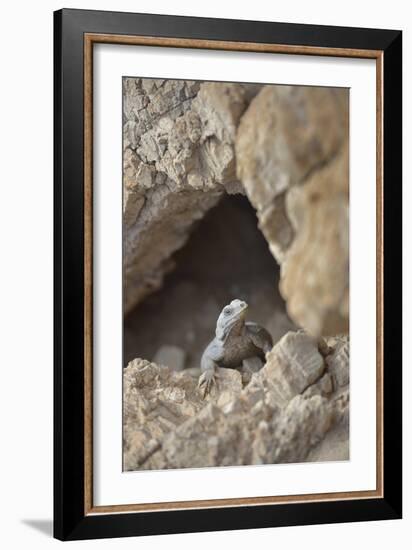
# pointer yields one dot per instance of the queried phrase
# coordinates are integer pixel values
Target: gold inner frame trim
(89, 40)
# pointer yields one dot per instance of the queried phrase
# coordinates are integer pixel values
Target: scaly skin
(236, 341)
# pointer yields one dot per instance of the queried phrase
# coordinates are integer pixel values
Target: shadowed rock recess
(186, 145)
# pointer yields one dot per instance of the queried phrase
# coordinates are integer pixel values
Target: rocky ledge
(295, 409)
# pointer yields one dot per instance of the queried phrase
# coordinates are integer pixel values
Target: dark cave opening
(226, 257)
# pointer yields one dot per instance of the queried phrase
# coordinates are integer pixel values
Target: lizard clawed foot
(207, 381)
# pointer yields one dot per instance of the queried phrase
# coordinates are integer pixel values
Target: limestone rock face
(156, 400)
(178, 142)
(338, 362)
(293, 163)
(315, 271)
(287, 132)
(293, 365)
(285, 147)
(288, 410)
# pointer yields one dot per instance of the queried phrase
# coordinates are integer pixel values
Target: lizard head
(231, 316)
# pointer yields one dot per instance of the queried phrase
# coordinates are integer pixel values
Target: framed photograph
(227, 274)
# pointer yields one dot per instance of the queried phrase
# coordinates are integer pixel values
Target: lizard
(236, 340)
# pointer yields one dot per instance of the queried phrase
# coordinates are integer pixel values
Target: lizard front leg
(209, 376)
(211, 357)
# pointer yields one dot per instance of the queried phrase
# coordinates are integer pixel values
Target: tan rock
(186, 143)
(274, 419)
(338, 363)
(292, 365)
(178, 159)
(293, 163)
(315, 271)
(156, 400)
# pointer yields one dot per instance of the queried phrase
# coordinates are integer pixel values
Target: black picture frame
(71, 522)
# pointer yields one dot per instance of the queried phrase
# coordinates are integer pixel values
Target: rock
(273, 419)
(302, 128)
(229, 385)
(338, 363)
(292, 365)
(194, 372)
(161, 228)
(178, 157)
(171, 356)
(187, 143)
(304, 423)
(293, 163)
(155, 400)
(324, 386)
(335, 445)
(318, 296)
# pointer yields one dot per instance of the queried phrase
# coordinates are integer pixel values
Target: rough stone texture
(292, 365)
(272, 419)
(178, 160)
(156, 400)
(338, 362)
(186, 143)
(334, 446)
(315, 272)
(293, 163)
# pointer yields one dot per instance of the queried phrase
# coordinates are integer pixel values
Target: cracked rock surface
(296, 408)
(293, 163)
(179, 158)
(188, 143)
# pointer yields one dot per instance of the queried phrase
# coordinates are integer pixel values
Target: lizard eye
(227, 311)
